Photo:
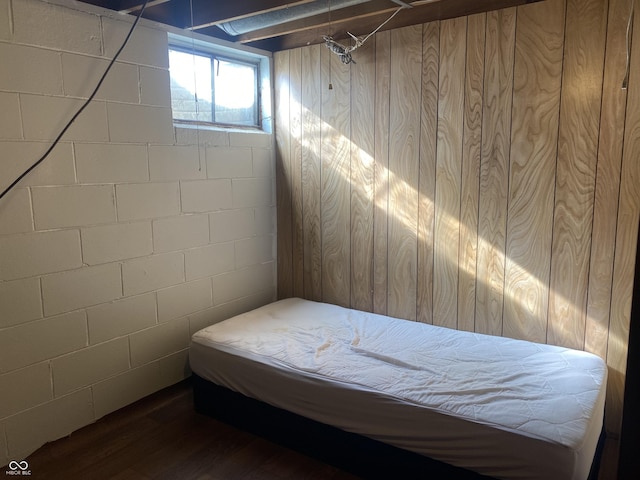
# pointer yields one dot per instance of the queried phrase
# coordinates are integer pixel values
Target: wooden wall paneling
(404, 150)
(411, 106)
(427, 179)
(283, 176)
(494, 170)
(581, 97)
(614, 101)
(295, 132)
(471, 156)
(448, 171)
(363, 77)
(335, 199)
(534, 140)
(381, 159)
(626, 244)
(311, 136)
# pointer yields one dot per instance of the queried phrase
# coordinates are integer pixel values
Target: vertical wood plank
(575, 179)
(471, 156)
(428, 152)
(311, 136)
(494, 170)
(283, 175)
(381, 187)
(404, 149)
(335, 150)
(295, 132)
(449, 171)
(626, 245)
(605, 213)
(534, 140)
(426, 77)
(362, 177)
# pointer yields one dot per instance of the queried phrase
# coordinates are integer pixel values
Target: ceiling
(282, 24)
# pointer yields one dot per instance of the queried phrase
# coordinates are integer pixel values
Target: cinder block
(210, 260)
(178, 233)
(147, 200)
(159, 341)
(250, 251)
(56, 169)
(56, 27)
(173, 162)
(30, 70)
(155, 88)
(140, 123)
(121, 317)
(147, 46)
(193, 135)
(5, 34)
(25, 388)
(204, 318)
(151, 273)
(80, 75)
(15, 212)
(29, 430)
(184, 299)
(242, 283)
(263, 164)
(111, 163)
(252, 192)
(19, 302)
(206, 195)
(110, 243)
(200, 320)
(41, 340)
(89, 365)
(11, 120)
(67, 291)
(57, 207)
(250, 139)
(229, 225)
(119, 391)
(39, 253)
(265, 220)
(45, 117)
(225, 162)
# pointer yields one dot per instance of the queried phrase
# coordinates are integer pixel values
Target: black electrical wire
(84, 105)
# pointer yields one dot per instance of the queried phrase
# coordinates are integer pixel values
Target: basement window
(216, 85)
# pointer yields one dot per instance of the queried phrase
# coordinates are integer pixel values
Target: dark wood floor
(161, 437)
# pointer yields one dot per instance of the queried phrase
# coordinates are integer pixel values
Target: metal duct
(297, 12)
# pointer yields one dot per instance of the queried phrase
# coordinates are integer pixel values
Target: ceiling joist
(203, 16)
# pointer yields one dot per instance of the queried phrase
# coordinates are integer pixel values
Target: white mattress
(501, 407)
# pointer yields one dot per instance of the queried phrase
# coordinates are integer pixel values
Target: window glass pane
(190, 86)
(235, 93)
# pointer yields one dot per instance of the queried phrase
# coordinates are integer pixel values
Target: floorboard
(162, 437)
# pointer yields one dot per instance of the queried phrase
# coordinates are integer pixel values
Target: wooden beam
(134, 6)
(207, 13)
(125, 6)
(349, 14)
(420, 13)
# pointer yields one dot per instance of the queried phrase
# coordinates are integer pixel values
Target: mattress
(505, 408)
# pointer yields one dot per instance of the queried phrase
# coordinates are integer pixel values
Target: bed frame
(361, 456)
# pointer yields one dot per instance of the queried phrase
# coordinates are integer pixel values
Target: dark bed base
(350, 452)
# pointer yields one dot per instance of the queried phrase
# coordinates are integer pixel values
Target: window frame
(248, 57)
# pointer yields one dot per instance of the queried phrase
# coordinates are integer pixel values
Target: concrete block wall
(131, 236)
